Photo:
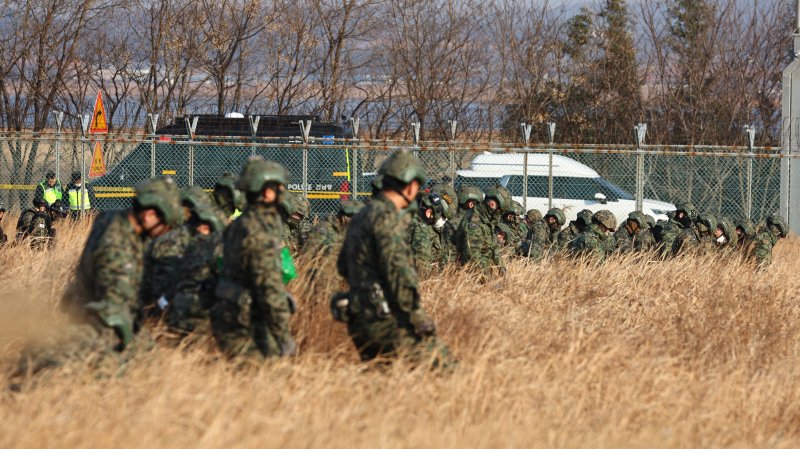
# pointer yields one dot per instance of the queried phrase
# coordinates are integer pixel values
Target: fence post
(751, 138)
(84, 176)
(526, 137)
(354, 122)
(253, 132)
(640, 132)
(551, 136)
(153, 123)
(305, 129)
(452, 151)
(415, 135)
(191, 127)
(59, 122)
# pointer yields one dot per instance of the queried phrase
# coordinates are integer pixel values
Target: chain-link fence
(727, 181)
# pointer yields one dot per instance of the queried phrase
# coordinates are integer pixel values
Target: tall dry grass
(693, 352)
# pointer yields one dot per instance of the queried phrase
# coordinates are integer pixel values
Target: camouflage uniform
(704, 227)
(679, 232)
(327, 237)
(571, 232)
(103, 298)
(512, 228)
(760, 248)
(163, 264)
(227, 197)
(543, 238)
(424, 240)
(634, 235)
(746, 232)
(296, 228)
(728, 240)
(594, 241)
(40, 231)
(250, 317)
(477, 242)
(466, 194)
(448, 232)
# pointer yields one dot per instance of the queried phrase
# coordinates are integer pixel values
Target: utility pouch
(340, 307)
(378, 301)
(236, 300)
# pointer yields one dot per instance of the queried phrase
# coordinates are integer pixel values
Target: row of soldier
(219, 264)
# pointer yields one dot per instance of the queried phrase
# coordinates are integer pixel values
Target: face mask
(722, 240)
(439, 223)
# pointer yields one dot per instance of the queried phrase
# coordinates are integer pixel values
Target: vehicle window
(482, 183)
(568, 187)
(537, 186)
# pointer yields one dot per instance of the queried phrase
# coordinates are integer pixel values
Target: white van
(575, 185)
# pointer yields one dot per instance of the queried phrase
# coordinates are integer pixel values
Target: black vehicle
(223, 144)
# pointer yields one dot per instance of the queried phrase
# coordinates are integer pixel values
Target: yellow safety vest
(51, 194)
(75, 199)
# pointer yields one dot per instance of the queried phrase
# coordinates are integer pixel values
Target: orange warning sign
(98, 165)
(99, 124)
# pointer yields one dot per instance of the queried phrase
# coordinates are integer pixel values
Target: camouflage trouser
(241, 337)
(374, 337)
(81, 346)
(186, 315)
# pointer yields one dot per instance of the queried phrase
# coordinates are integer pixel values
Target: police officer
(383, 309)
(250, 318)
(49, 190)
(79, 196)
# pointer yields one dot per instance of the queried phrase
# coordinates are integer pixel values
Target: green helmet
(437, 203)
(777, 221)
(163, 195)
(449, 195)
(605, 218)
(228, 182)
(517, 207)
(501, 195)
(300, 205)
(747, 227)
(585, 217)
(638, 218)
(688, 208)
(727, 227)
(350, 208)
(258, 172)
(558, 214)
(194, 196)
(707, 221)
(651, 222)
(403, 167)
(206, 214)
(469, 192)
(533, 215)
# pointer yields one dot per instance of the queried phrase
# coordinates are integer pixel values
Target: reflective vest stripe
(51, 194)
(75, 201)
(235, 215)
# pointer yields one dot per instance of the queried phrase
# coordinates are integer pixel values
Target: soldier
(705, 227)
(49, 190)
(760, 248)
(194, 289)
(164, 256)
(634, 235)
(725, 236)
(103, 298)
(679, 230)
(574, 229)
(250, 316)
(468, 197)
(595, 240)
(532, 216)
(745, 232)
(227, 197)
(25, 219)
(542, 239)
(42, 229)
(424, 234)
(450, 228)
(327, 238)
(383, 308)
(3, 236)
(296, 228)
(477, 241)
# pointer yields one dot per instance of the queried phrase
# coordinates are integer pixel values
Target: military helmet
(500, 194)
(777, 221)
(403, 167)
(727, 227)
(747, 227)
(437, 203)
(605, 218)
(194, 196)
(163, 195)
(469, 192)
(350, 208)
(449, 195)
(585, 216)
(517, 207)
(708, 221)
(638, 218)
(558, 214)
(300, 205)
(533, 215)
(228, 182)
(258, 172)
(651, 222)
(688, 208)
(206, 214)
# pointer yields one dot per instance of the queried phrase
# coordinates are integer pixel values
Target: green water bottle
(287, 265)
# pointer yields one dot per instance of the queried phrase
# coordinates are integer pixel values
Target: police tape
(129, 192)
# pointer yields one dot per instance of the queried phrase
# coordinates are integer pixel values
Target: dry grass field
(690, 353)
